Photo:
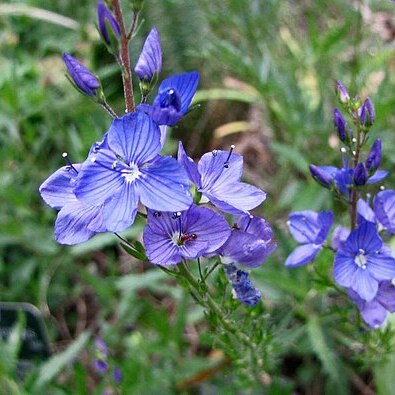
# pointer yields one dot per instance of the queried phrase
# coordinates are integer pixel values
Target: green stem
(207, 301)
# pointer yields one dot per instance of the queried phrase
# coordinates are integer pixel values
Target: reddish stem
(124, 58)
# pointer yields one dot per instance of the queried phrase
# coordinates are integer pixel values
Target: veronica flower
(130, 170)
(249, 244)
(150, 59)
(384, 208)
(243, 287)
(170, 237)
(363, 262)
(76, 222)
(174, 97)
(311, 230)
(217, 177)
(375, 312)
(80, 76)
(339, 237)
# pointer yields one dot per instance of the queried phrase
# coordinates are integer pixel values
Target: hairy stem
(124, 58)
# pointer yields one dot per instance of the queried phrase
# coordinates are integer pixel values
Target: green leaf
(58, 363)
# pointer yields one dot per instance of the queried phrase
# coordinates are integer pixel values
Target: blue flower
(130, 169)
(217, 177)
(311, 230)
(340, 124)
(384, 208)
(250, 242)
(363, 262)
(106, 20)
(150, 59)
(243, 287)
(76, 222)
(174, 97)
(373, 161)
(171, 237)
(375, 312)
(80, 76)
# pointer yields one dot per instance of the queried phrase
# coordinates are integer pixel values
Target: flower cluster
(125, 174)
(363, 264)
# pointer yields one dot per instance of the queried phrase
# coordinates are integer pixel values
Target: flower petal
(256, 226)
(365, 238)
(302, 254)
(386, 295)
(381, 266)
(364, 284)
(344, 268)
(135, 137)
(189, 165)
(164, 186)
(378, 176)
(384, 207)
(304, 226)
(119, 212)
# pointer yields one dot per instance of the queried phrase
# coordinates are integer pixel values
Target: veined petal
(164, 186)
(378, 176)
(185, 84)
(339, 236)
(119, 212)
(381, 266)
(57, 189)
(256, 226)
(162, 222)
(97, 181)
(160, 250)
(72, 223)
(302, 254)
(386, 295)
(364, 284)
(240, 196)
(167, 116)
(365, 238)
(213, 171)
(135, 137)
(304, 226)
(325, 219)
(344, 269)
(365, 211)
(189, 165)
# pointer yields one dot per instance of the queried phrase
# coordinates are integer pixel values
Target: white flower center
(132, 173)
(360, 259)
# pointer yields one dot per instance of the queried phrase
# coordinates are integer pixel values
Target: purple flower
(250, 242)
(322, 174)
(375, 312)
(243, 288)
(108, 26)
(339, 236)
(76, 222)
(174, 97)
(367, 113)
(101, 366)
(311, 230)
(342, 92)
(360, 175)
(217, 177)
(365, 213)
(373, 160)
(130, 169)
(101, 346)
(384, 208)
(170, 237)
(363, 262)
(80, 76)
(150, 59)
(117, 374)
(340, 124)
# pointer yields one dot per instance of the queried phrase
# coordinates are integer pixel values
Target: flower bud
(373, 160)
(360, 174)
(136, 5)
(108, 26)
(149, 62)
(80, 76)
(340, 124)
(321, 176)
(367, 113)
(342, 93)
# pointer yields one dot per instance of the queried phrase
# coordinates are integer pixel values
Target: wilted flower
(80, 76)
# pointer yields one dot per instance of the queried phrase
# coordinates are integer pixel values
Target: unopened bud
(360, 174)
(367, 113)
(321, 176)
(340, 124)
(108, 26)
(342, 93)
(373, 160)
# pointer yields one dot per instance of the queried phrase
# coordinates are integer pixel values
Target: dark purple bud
(367, 113)
(117, 375)
(321, 176)
(150, 59)
(83, 79)
(373, 161)
(360, 174)
(340, 124)
(342, 92)
(101, 366)
(108, 26)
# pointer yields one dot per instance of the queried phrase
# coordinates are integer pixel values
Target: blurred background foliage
(268, 70)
